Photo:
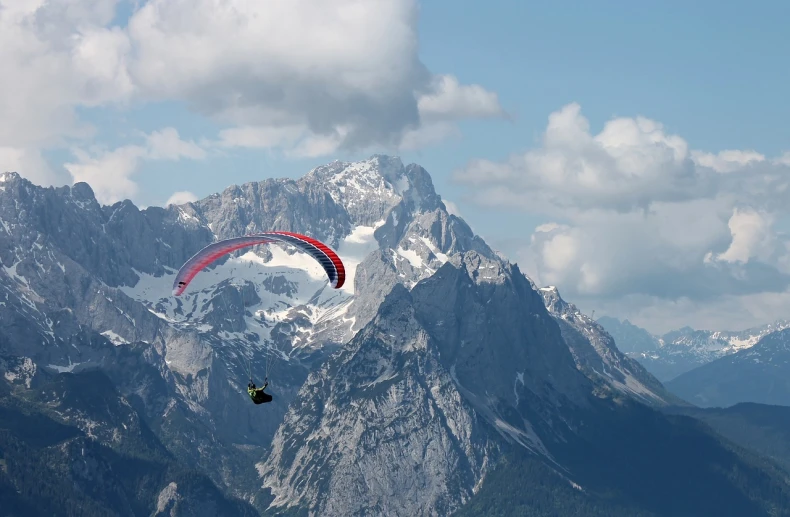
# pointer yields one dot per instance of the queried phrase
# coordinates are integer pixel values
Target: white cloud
(181, 197)
(727, 161)
(56, 56)
(452, 100)
(637, 216)
(308, 76)
(628, 165)
(31, 163)
(427, 135)
(166, 144)
(347, 72)
(665, 252)
(452, 208)
(109, 172)
(751, 236)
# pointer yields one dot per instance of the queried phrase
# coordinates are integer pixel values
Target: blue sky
(712, 73)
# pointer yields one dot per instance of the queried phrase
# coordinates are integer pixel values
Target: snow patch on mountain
(367, 189)
(64, 369)
(354, 248)
(18, 369)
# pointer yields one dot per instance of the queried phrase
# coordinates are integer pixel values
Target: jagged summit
(9, 176)
(370, 188)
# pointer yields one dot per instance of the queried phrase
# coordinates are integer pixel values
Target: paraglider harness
(257, 394)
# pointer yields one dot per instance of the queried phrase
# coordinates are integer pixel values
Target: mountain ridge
(97, 296)
(757, 374)
(681, 350)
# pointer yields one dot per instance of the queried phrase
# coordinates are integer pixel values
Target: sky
(634, 154)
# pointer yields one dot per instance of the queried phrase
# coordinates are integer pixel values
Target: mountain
(426, 389)
(758, 374)
(682, 350)
(87, 287)
(447, 397)
(596, 354)
(630, 460)
(77, 447)
(630, 338)
(436, 366)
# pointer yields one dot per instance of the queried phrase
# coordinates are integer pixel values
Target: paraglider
(257, 394)
(328, 259)
(331, 263)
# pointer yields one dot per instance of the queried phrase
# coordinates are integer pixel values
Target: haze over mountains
(420, 388)
(682, 350)
(758, 374)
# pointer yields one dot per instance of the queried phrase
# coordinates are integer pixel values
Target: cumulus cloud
(306, 75)
(752, 236)
(427, 135)
(637, 215)
(452, 208)
(452, 100)
(109, 172)
(57, 56)
(31, 162)
(318, 65)
(727, 161)
(630, 164)
(181, 198)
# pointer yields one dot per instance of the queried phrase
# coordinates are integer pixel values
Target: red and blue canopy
(328, 259)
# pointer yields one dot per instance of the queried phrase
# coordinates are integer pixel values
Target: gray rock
(596, 354)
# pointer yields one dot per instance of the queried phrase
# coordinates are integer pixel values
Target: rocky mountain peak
(370, 189)
(9, 176)
(485, 268)
(553, 300)
(773, 342)
(81, 191)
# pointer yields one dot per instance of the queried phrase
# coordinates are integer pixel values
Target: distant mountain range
(683, 350)
(758, 374)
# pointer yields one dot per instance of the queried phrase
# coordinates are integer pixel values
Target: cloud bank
(308, 77)
(637, 220)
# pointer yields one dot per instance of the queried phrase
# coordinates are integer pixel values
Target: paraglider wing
(328, 259)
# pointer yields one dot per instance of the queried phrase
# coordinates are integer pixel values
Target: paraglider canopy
(333, 266)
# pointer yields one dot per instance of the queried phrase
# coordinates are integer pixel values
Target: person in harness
(257, 395)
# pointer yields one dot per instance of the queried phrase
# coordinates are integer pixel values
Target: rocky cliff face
(597, 355)
(408, 417)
